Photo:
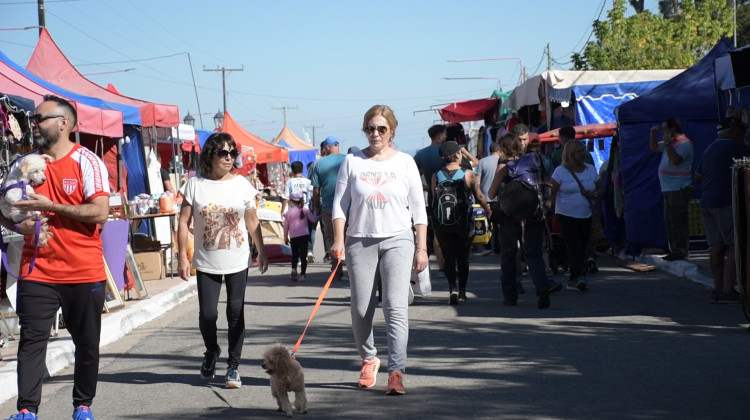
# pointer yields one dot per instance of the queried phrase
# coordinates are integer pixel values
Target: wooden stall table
(148, 218)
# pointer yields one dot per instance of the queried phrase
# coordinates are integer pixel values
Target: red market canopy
(264, 151)
(589, 131)
(91, 119)
(472, 110)
(49, 63)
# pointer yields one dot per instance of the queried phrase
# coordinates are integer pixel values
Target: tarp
(472, 110)
(264, 151)
(596, 95)
(92, 118)
(299, 150)
(17, 103)
(691, 97)
(49, 63)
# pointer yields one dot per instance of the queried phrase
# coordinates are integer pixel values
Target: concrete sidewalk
(166, 294)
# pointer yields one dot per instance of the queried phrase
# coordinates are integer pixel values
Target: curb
(680, 268)
(60, 352)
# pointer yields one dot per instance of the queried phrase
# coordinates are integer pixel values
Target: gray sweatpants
(390, 260)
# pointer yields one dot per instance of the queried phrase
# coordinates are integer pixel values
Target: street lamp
(523, 69)
(218, 119)
(499, 82)
(189, 119)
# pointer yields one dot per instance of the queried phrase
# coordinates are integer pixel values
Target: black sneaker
(462, 296)
(543, 298)
(208, 368)
(327, 258)
(454, 298)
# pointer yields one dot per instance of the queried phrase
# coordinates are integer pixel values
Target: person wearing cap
(323, 180)
(297, 232)
(379, 195)
(456, 246)
(714, 172)
(676, 183)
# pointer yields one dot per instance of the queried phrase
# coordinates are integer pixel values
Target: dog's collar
(20, 184)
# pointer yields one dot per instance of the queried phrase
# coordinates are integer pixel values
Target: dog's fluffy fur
(286, 376)
(29, 170)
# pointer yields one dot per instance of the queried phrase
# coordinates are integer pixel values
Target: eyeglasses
(222, 154)
(371, 129)
(38, 118)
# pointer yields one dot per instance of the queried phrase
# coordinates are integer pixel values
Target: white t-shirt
(570, 202)
(221, 237)
(295, 184)
(383, 197)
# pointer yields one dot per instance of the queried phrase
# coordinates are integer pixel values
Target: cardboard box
(150, 265)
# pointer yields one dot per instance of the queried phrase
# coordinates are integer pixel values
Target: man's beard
(42, 141)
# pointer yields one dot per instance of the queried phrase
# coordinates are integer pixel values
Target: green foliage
(649, 41)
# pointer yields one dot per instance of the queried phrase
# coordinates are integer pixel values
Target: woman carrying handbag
(575, 189)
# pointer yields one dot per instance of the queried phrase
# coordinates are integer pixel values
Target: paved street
(636, 346)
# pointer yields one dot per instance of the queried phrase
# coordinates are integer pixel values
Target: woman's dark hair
(510, 145)
(214, 143)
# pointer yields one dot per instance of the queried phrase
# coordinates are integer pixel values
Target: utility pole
(549, 58)
(224, 71)
(284, 108)
(42, 23)
(313, 130)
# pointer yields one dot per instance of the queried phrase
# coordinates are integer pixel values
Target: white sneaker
(310, 257)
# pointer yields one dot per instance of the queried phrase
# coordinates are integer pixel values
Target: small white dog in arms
(19, 183)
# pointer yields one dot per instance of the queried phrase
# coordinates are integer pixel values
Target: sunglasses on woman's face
(371, 129)
(222, 154)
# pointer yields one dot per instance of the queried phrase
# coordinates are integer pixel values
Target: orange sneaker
(369, 372)
(395, 383)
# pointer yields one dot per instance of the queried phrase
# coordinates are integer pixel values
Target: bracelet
(15, 227)
(420, 249)
(52, 206)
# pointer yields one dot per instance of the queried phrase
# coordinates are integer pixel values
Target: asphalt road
(635, 346)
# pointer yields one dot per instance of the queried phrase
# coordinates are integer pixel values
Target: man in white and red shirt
(69, 272)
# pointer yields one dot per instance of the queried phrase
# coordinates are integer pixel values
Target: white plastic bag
(420, 282)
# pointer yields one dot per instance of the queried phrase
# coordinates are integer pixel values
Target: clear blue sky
(329, 61)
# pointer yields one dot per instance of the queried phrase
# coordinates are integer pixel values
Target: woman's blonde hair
(571, 147)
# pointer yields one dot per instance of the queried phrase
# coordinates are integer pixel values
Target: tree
(649, 41)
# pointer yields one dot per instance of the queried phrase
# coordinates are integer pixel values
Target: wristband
(15, 227)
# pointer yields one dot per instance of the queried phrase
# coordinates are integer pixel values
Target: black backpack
(521, 196)
(452, 202)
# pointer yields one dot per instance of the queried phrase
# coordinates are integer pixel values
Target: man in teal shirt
(323, 180)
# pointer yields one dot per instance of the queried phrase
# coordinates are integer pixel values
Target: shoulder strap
(441, 176)
(460, 173)
(580, 186)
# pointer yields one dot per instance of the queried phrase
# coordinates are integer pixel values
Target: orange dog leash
(317, 305)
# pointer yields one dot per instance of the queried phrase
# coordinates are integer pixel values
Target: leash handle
(317, 305)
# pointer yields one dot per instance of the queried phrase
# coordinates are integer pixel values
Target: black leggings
(455, 248)
(299, 251)
(209, 287)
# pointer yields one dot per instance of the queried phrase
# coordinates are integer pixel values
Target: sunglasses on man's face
(38, 118)
(222, 154)
(371, 129)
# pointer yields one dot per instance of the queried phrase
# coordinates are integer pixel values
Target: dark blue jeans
(676, 220)
(533, 240)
